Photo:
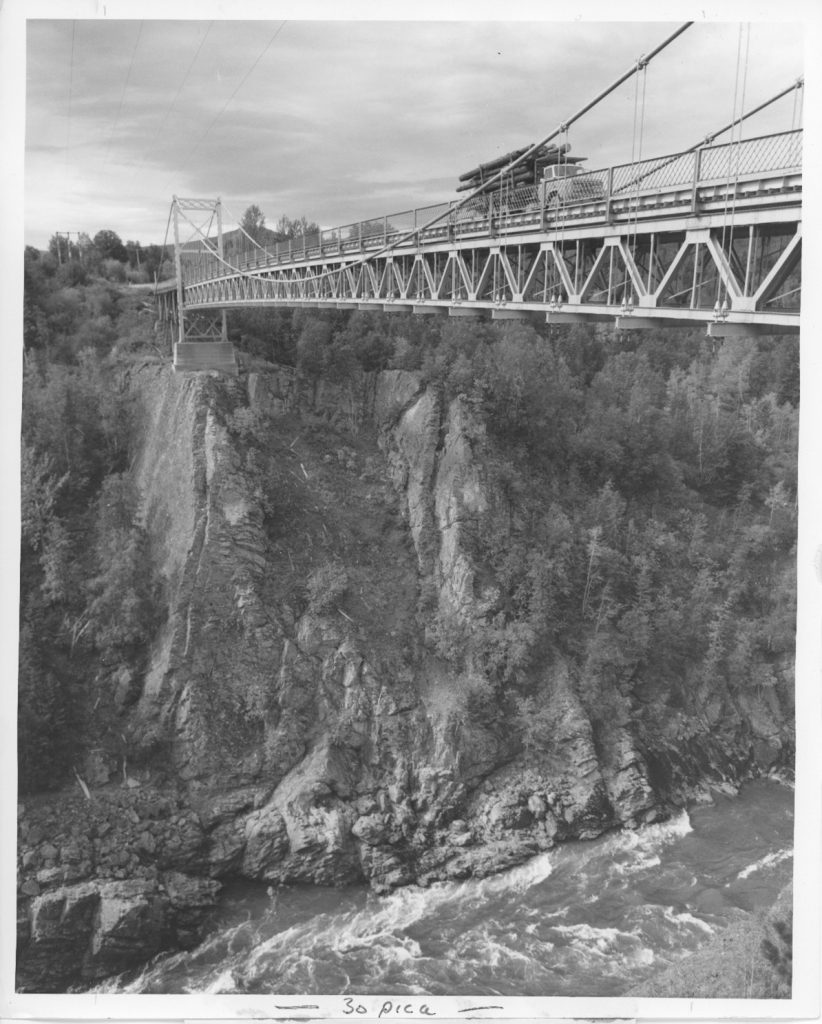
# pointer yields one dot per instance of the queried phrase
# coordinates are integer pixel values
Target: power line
(243, 80)
(70, 91)
(123, 94)
(179, 91)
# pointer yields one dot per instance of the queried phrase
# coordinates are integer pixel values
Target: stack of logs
(529, 172)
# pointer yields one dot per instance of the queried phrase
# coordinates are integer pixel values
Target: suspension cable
(793, 87)
(799, 94)
(711, 136)
(728, 175)
(243, 230)
(738, 147)
(565, 147)
(636, 158)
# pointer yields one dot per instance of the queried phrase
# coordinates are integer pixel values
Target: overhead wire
(241, 83)
(123, 95)
(70, 95)
(177, 95)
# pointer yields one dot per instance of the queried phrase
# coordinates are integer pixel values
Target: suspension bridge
(709, 236)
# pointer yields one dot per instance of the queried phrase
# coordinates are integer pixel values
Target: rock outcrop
(92, 930)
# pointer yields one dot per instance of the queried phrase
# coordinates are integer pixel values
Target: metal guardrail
(706, 165)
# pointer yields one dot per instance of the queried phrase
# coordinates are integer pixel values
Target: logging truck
(549, 177)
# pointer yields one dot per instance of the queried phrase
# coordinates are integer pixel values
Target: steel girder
(749, 271)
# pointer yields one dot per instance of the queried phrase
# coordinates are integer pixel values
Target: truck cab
(568, 183)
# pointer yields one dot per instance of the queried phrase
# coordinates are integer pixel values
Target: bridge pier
(726, 330)
(574, 318)
(517, 314)
(198, 356)
(465, 311)
(645, 323)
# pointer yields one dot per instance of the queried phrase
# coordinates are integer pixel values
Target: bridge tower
(202, 339)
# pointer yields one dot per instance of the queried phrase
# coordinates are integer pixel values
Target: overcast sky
(350, 119)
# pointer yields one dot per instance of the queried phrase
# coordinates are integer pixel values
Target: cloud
(332, 119)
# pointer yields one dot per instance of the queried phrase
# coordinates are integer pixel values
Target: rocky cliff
(316, 705)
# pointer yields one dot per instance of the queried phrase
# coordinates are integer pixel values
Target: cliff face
(356, 738)
(351, 727)
(316, 686)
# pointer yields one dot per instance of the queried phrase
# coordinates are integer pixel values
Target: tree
(253, 223)
(370, 229)
(288, 228)
(312, 347)
(134, 253)
(62, 248)
(110, 246)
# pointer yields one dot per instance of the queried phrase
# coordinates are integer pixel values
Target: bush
(113, 270)
(536, 724)
(777, 948)
(312, 347)
(326, 586)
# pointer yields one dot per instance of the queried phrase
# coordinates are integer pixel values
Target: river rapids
(588, 918)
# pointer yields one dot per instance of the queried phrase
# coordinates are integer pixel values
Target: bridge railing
(752, 156)
(487, 213)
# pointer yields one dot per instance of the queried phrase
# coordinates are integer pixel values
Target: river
(589, 918)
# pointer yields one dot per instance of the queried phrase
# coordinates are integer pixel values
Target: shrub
(326, 586)
(777, 948)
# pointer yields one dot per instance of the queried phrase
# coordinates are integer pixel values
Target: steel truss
(750, 275)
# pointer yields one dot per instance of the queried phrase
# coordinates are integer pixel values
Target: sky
(349, 119)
